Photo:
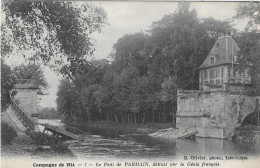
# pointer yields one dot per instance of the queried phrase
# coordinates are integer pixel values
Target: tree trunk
(108, 117)
(116, 117)
(173, 120)
(164, 112)
(144, 118)
(153, 115)
(88, 113)
(135, 117)
(71, 114)
(128, 118)
(173, 116)
(122, 117)
(159, 118)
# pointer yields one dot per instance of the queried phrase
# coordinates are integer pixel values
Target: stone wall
(27, 100)
(214, 114)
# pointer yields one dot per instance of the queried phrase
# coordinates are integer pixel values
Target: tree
(169, 95)
(68, 100)
(250, 10)
(129, 50)
(32, 71)
(147, 68)
(56, 32)
(82, 96)
(48, 113)
(7, 84)
(249, 41)
(180, 43)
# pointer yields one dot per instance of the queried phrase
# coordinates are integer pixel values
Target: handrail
(22, 115)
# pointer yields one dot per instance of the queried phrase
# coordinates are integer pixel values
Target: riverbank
(24, 146)
(247, 134)
(248, 137)
(106, 128)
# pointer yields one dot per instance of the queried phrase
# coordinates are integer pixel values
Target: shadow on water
(112, 143)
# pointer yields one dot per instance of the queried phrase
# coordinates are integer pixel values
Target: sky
(131, 17)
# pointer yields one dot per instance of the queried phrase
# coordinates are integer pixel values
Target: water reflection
(97, 143)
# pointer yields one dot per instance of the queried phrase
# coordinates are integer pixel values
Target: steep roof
(222, 50)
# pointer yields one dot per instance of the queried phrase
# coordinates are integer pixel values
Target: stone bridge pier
(215, 114)
(26, 99)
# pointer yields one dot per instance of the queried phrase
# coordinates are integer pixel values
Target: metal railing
(22, 115)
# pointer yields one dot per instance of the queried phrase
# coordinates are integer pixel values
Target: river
(143, 146)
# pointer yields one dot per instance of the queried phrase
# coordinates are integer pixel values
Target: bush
(60, 148)
(40, 138)
(8, 133)
(44, 139)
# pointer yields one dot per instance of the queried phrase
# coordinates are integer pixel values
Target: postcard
(96, 84)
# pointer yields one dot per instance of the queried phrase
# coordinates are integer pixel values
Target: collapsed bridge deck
(57, 131)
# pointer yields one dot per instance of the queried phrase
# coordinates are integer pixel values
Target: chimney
(220, 35)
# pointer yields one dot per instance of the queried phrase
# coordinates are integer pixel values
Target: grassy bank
(115, 129)
(35, 145)
(249, 136)
(8, 133)
(249, 133)
(24, 146)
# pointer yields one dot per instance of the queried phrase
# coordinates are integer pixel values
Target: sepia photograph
(130, 84)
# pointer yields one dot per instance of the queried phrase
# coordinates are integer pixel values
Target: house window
(201, 76)
(231, 81)
(217, 72)
(222, 75)
(238, 81)
(211, 75)
(235, 58)
(246, 73)
(231, 72)
(239, 74)
(206, 75)
(212, 61)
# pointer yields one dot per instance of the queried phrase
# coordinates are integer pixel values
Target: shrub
(44, 139)
(40, 138)
(60, 148)
(8, 133)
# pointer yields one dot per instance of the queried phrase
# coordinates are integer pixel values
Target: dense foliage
(7, 83)
(55, 142)
(8, 133)
(9, 77)
(49, 113)
(55, 33)
(249, 41)
(140, 83)
(32, 71)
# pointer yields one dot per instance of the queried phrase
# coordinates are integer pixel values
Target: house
(225, 97)
(221, 66)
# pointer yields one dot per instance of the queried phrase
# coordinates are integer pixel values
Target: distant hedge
(8, 133)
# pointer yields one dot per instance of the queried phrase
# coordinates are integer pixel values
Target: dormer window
(235, 58)
(212, 60)
(246, 73)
